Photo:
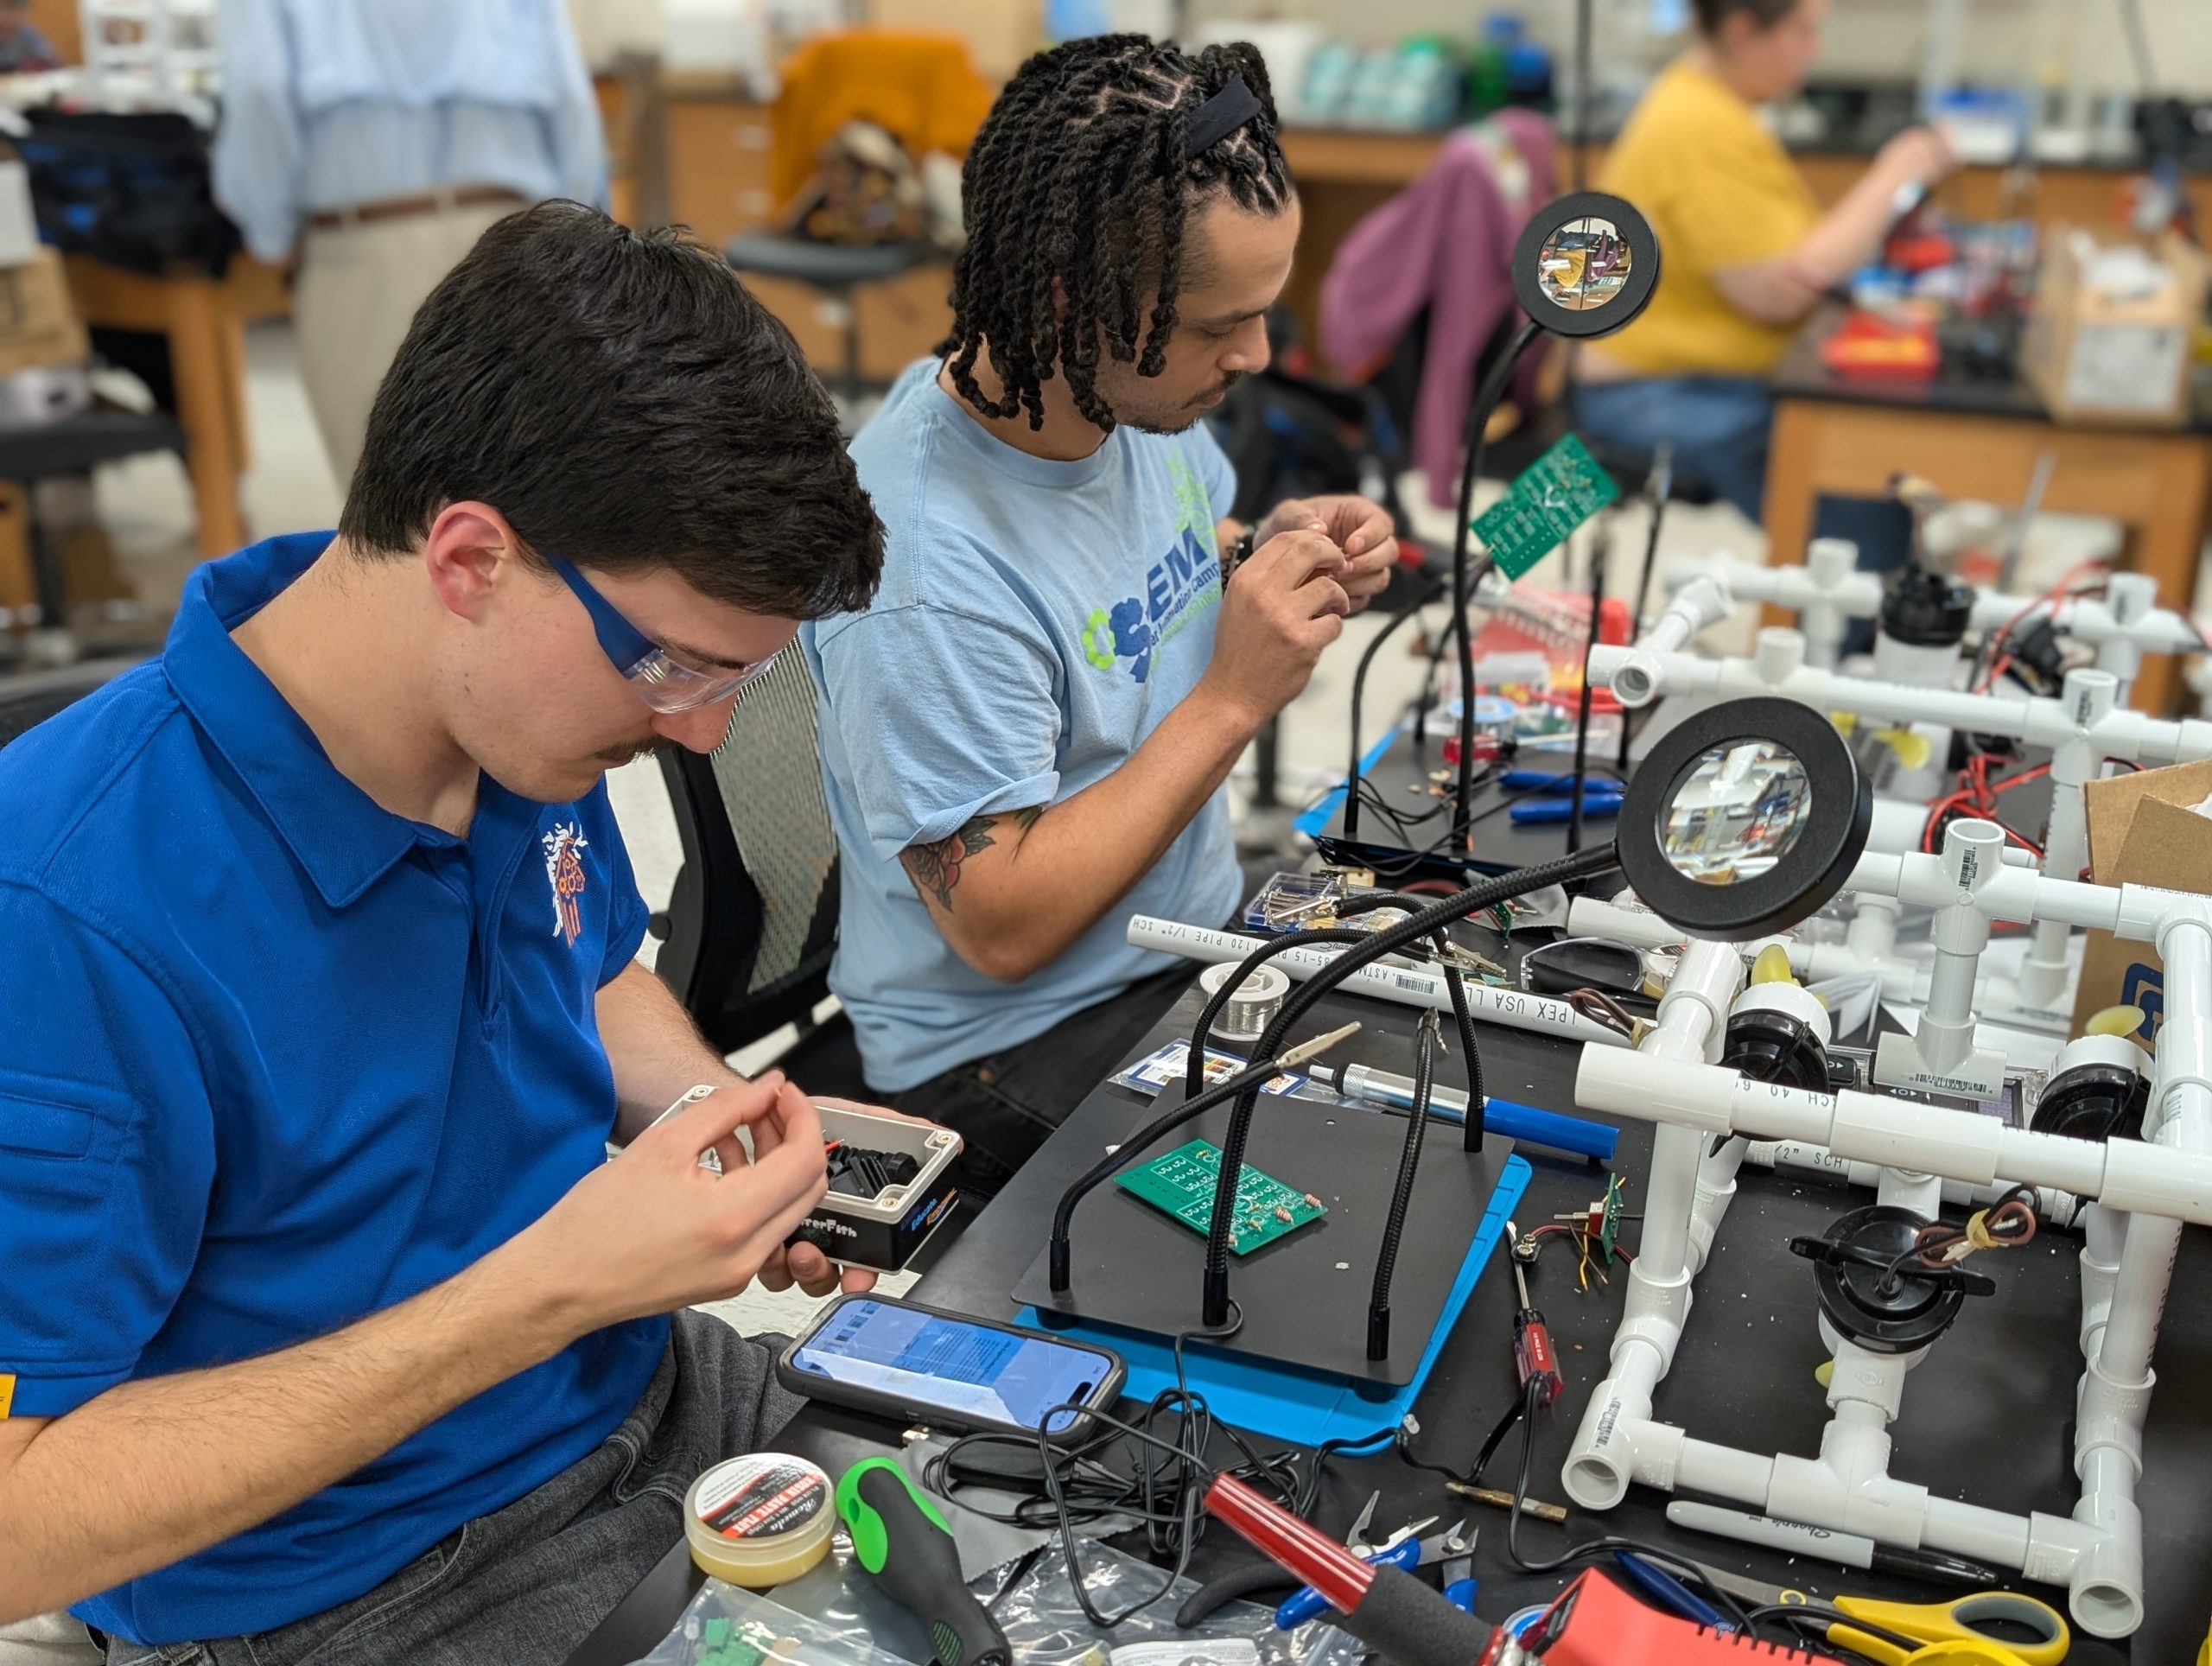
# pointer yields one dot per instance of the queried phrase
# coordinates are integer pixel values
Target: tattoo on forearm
(935, 869)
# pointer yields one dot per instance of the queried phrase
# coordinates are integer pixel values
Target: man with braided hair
(1026, 737)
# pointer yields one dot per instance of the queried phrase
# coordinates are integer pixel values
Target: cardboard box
(2143, 830)
(38, 327)
(2109, 341)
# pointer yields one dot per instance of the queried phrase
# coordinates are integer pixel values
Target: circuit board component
(1180, 1186)
(1552, 497)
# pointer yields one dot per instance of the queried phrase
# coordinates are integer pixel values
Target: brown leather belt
(406, 208)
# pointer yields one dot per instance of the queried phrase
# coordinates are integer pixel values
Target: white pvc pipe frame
(1410, 986)
(2143, 1190)
(1640, 674)
(2083, 728)
(1828, 591)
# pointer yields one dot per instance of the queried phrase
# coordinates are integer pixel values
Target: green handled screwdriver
(901, 1539)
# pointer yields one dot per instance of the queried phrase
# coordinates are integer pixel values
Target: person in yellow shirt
(1746, 251)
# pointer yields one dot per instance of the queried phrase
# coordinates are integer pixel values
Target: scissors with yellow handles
(1925, 1634)
(1954, 1633)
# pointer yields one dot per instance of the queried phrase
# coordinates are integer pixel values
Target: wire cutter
(1400, 1550)
(1456, 1567)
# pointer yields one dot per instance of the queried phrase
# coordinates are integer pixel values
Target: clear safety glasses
(662, 680)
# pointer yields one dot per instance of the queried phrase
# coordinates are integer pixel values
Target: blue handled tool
(1545, 780)
(1596, 802)
(1528, 1123)
(1535, 1126)
(1669, 1593)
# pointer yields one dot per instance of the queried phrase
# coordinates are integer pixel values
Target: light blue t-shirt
(1036, 622)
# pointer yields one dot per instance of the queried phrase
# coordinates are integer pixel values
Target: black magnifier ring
(1803, 878)
(1634, 293)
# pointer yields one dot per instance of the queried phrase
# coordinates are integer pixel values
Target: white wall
(2008, 42)
(607, 29)
(2011, 42)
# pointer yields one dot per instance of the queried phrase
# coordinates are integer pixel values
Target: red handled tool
(1390, 1611)
(1534, 1357)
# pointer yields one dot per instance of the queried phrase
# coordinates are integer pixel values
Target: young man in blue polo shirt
(328, 1330)
(1026, 737)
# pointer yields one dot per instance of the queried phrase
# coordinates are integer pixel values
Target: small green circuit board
(1609, 1219)
(746, 1643)
(1554, 495)
(1180, 1186)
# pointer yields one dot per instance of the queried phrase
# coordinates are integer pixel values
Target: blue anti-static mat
(1303, 1408)
(1315, 822)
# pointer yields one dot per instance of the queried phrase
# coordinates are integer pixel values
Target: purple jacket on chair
(1445, 243)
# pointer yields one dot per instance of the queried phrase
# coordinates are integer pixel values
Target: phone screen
(974, 1371)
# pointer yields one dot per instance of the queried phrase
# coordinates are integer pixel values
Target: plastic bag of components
(1040, 1618)
(1036, 1608)
(728, 1626)
(1165, 1066)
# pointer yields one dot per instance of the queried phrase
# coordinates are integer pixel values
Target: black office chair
(29, 698)
(72, 445)
(838, 270)
(752, 925)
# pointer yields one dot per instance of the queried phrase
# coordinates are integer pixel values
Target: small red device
(1595, 1622)
(1865, 347)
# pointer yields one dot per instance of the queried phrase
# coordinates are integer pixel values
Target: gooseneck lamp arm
(1553, 309)
(1302, 999)
(1061, 1259)
(1487, 398)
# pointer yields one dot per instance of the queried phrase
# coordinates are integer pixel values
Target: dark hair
(624, 402)
(1712, 14)
(1081, 174)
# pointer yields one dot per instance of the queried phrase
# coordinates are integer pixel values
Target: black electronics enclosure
(884, 1231)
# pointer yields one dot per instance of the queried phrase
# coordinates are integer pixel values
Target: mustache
(631, 752)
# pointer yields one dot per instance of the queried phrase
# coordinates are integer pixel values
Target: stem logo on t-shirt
(1179, 587)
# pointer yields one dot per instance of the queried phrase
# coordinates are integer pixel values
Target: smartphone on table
(902, 1360)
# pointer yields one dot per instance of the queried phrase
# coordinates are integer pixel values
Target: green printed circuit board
(1554, 495)
(1180, 1186)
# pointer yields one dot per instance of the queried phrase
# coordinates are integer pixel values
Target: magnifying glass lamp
(1584, 265)
(1746, 818)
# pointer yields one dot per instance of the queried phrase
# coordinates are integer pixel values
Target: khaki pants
(48, 1640)
(358, 287)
